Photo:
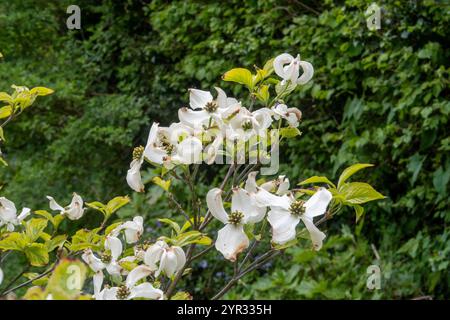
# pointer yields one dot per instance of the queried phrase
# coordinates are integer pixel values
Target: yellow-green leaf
(162, 183)
(5, 112)
(41, 91)
(359, 192)
(348, 172)
(239, 75)
(116, 203)
(37, 254)
(67, 280)
(317, 179)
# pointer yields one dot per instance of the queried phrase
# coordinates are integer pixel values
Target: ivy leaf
(348, 172)
(239, 75)
(359, 192)
(37, 254)
(317, 179)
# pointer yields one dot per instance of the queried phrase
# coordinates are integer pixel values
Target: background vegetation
(379, 97)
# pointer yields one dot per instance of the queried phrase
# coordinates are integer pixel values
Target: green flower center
(138, 152)
(247, 125)
(211, 106)
(235, 217)
(123, 292)
(297, 208)
(105, 257)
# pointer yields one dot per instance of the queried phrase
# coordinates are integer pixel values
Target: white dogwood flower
(161, 258)
(286, 212)
(280, 185)
(231, 239)
(245, 124)
(73, 211)
(292, 115)
(8, 214)
(1, 276)
(129, 290)
(133, 229)
(206, 109)
(288, 68)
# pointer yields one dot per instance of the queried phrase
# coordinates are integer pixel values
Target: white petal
(75, 210)
(153, 134)
(283, 186)
(250, 183)
(279, 62)
(308, 72)
(212, 150)
(115, 245)
(231, 240)
(145, 290)
(283, 225)
(155, 155)
(1, 276)
(199, 98)
(8, 210)
(54, 205)
(153, 256)
(189, 151)
(108, 294)
(317, 204)
(92, 261)
(215, 205)
(221, 99)
(292, 71)
(137, 274)
(317, 236)
(134, 179)
(98, 281)
(193, 118)
(181, 257)
(265, 198)
(242, 201)
(25, 213)
(168, 263)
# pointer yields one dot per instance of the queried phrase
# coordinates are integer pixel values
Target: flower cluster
(212, 122)
(249, 205)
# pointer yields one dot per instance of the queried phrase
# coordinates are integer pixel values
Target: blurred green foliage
(377, 96)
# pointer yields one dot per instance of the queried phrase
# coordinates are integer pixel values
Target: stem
(27, 282)
(201, 253)
(14, 280)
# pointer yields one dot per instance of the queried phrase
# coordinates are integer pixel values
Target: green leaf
(116, 203)
(181, 295)
(14, 241)
(162, 183)
(67, 280)
(56, 242)
(34, 227)
(192, 237)
(283, 89)
(2, 135)
(317, 179)
(290, 132)
(6, 98)
(41, 91)
(359, 210)
(171, 223)
(37, 254)
(263, 93)
(239, 75)
(359, 192)
(5, 112)
(348, 172)
(268, 66)
(97, 206)
(414, 166)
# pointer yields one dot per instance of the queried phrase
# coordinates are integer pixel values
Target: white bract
(129, 290)
(292, 115)
(231, 239)
(160, 258)
(205, 110)
(132, 229)
(8, 214)
(288, 68)
(286, 212)
(73, 211)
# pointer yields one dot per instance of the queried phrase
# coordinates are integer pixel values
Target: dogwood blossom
(231, 239)
(73, 211)
(8, 214)
(292, 115)
(133, 229)
(129, 290)
(288, 68)
(205, 109)
(170, 259)
(286, 212)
